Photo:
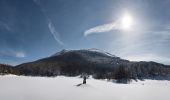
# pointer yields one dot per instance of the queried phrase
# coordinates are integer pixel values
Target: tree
(122, 74)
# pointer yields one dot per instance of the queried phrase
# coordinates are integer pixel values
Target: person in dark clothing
(84, 76)
(84, 79)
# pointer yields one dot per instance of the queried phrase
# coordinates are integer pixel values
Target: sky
(136, 30)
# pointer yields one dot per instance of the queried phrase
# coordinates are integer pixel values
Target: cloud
(123, 23)
(51, 27)
(54, 33)
(12, 53)
(149, 57)
(4, 26)
(20, 54)
(167, 27)
(102, 28)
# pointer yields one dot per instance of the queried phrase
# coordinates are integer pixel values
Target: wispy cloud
(12, 53)
(167, 27)
(123, 23)
(54, 33)
(148, 57)
(4, 26)
(51, 27)
(102, 28)
(20, 54)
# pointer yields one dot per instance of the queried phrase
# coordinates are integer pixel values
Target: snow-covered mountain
(93, 55)
(85, 50)
(94, 62)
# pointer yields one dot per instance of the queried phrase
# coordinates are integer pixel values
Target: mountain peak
(94, 50)
(101, 51)
(61, 52)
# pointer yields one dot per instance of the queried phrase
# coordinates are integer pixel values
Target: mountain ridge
(93, 62)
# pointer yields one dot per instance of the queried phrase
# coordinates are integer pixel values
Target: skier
(84, 76)
(84, 79)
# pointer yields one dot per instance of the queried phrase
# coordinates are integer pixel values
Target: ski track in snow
(64, 88)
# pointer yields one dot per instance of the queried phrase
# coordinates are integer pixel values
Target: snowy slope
(64, 88)
(87, 50)
(93, 55)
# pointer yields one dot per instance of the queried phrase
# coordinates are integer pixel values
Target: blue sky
(33, 29)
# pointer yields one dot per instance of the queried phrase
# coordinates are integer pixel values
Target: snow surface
(64, 88)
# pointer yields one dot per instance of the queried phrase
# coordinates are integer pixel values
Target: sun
(126, 21)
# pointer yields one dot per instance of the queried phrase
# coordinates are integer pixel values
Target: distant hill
(7, 69)
(99, 64)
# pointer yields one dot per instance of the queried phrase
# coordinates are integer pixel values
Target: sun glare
(126, 22)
